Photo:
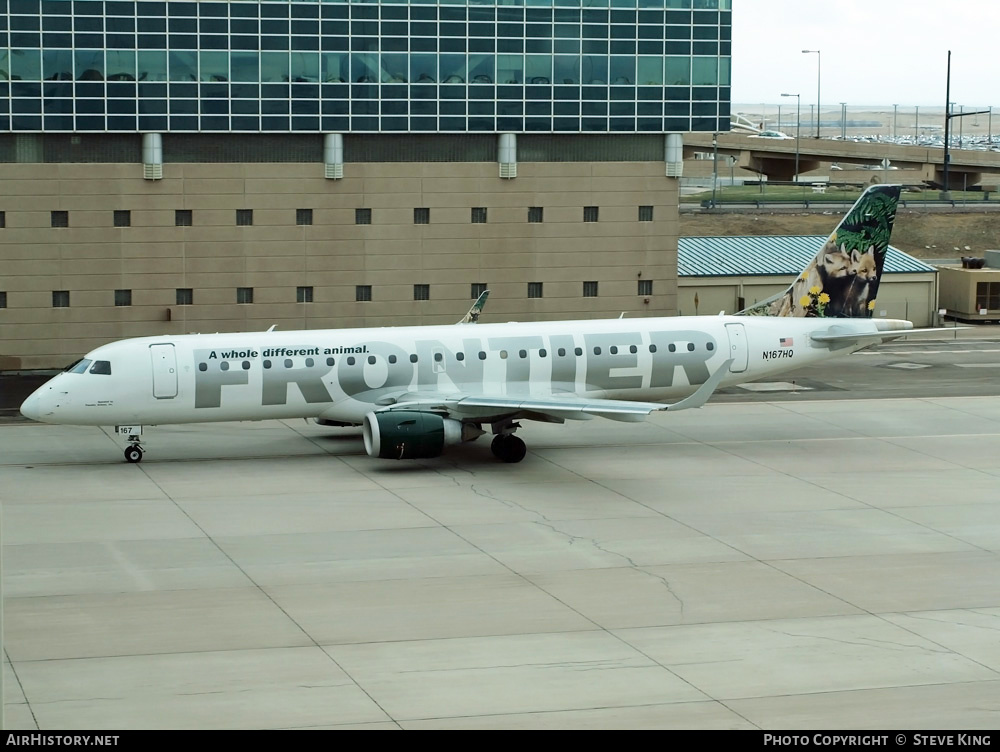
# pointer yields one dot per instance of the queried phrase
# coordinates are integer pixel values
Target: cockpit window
(102, 367)
(80, 366)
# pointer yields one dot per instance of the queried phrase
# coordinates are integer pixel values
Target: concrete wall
(92, 258)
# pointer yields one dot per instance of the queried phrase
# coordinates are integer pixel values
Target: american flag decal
(785, 341)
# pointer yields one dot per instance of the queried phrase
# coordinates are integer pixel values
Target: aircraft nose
(31, 407)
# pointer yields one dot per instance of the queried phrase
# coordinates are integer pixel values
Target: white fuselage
(343, 374)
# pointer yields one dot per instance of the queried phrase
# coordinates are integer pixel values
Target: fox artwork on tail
(842, 281)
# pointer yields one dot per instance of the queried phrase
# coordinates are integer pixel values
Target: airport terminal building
(169, 167)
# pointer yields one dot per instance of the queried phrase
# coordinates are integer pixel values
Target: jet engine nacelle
(410, 434)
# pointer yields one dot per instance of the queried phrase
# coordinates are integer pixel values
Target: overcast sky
(877, 52)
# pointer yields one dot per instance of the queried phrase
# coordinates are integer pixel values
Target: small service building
(730, 273)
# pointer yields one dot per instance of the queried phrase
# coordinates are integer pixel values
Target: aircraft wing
(552, 408)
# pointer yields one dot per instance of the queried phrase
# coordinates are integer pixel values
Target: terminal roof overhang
(768, 255)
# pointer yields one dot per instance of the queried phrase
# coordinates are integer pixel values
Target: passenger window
(413, 358)
(224, 365)
(690, 346)
(371, 360)
(350, 361)
(597, 351)
(482, 355)
(288, 362)
(460, 356)
(329, 361)
(672, 348)
(438, 357)
(310, 362)
(203, 366)
(578, 351)
(503, 355)
(102, 367)
(709, 346)
(562, 352)
(633, 349)
(267, 364)
(522, 353)
(392, 358)
(652, 348)
(614, 349)
(79, 367)
(542, 353)
(246, 365)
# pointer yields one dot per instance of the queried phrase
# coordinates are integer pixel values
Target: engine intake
(411, 434)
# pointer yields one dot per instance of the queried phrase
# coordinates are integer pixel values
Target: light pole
(715, 165)
(843, 121)
(894, 121)
(798, 128)
(818, 67)
(916, 123)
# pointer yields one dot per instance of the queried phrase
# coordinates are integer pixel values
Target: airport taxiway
(776, 560)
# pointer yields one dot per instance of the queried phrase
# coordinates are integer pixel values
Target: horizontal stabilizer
(878, 336)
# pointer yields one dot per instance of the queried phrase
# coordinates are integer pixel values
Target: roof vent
(507, 155)
(152, 156)
(674, 154)
(333, 156)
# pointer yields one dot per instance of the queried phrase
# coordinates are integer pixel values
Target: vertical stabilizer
(842, 280)
(472, 316)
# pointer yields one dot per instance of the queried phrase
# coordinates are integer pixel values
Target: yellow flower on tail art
(815, 303)
(871, 305)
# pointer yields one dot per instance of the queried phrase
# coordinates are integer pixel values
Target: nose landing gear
(133, 452)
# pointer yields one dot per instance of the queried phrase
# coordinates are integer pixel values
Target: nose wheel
(133, 454)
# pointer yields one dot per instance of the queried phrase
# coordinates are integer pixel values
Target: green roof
(749, 255)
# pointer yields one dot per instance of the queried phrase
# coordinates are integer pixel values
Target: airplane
(417, 390)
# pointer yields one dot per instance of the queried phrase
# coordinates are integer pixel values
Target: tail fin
(842, 281)
(472, 316)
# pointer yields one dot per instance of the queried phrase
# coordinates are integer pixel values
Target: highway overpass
(776, 157)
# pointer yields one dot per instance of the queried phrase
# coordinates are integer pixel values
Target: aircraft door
(737, 347)
(164, 371)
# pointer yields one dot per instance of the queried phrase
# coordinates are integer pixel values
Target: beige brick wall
(91, 258)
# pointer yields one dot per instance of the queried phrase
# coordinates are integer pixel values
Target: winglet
(705, 391)
(477, 308)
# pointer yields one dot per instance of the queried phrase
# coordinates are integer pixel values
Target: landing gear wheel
(133, 454)
(509, 448)
(496, 446)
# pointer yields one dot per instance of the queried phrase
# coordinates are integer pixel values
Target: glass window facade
(308, 66)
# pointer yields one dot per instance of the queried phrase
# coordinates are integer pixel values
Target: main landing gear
(508, 448)
(133, 453)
